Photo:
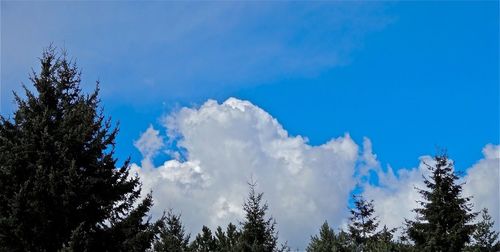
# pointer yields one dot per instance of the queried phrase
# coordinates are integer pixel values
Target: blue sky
(411, 76)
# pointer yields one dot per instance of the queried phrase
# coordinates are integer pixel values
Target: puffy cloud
(395, 195)
(226, 145)
(483, 182)
(218, 148)
(149, 144)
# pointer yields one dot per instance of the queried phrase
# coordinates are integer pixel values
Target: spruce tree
(325, 242)
(331, 242)
(172, 237)
(383, 241)
(204, 242)
(258, 233)
(60, 185)
(444, 216)
(226, 241)
(362, 224)
(484, 236)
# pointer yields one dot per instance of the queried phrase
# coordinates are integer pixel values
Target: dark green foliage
(485, 238)
(227, 241)
(204, 242)
(383, 241)
(257, 233)
(362, 224)
(443, 220)
(344, 242)
(328, 241)
(172, 236)
(59, 183)
(325, 242)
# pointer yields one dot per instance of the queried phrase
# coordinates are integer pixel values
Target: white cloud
(220, 147)
(395, 195)
(483, 182)
(228, 144)
(149, 144)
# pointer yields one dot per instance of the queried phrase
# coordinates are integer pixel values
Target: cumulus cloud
(395, 195)
(218, 148)
(483, 182)
(225, 146)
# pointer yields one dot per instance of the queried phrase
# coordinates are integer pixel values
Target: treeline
(62, 190)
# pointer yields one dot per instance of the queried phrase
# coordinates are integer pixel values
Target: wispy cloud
(185, 49)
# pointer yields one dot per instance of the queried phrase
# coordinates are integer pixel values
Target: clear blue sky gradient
(409, 75)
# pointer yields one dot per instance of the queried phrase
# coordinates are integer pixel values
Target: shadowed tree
(60, 185)
(444, 216)
(484, 236)
(258, 233)
(227, 241)
(204, 241)
(172, 237)
(325, 242)
(362, 224)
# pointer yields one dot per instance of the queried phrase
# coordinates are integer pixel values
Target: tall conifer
(444, 216)
(60, 186)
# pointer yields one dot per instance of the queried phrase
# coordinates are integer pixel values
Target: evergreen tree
(484, 236)
(226, 241)
(172, 236)
(220, 239)
(344, 242)
(383, 241)
(60, 186)
(443, 219)
(363, 224)
(331, 242)
(233, 235)
(204, 242)
(258, 234)
(325, 242)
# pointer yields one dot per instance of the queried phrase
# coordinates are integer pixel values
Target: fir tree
(172, 237)
(344, 242)
(443, 219)
(484, 236)
(362, 224)
(331, 242)
(325, 242)
(383, 241)
(226, 241)
(204, 241)
(60, 186)
(258, 234)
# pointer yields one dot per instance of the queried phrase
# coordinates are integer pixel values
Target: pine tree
(363, 224)
(484, 236)
(172, 237)
(204, 241)
(59, 182)
(443, 219)
(258, 234)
